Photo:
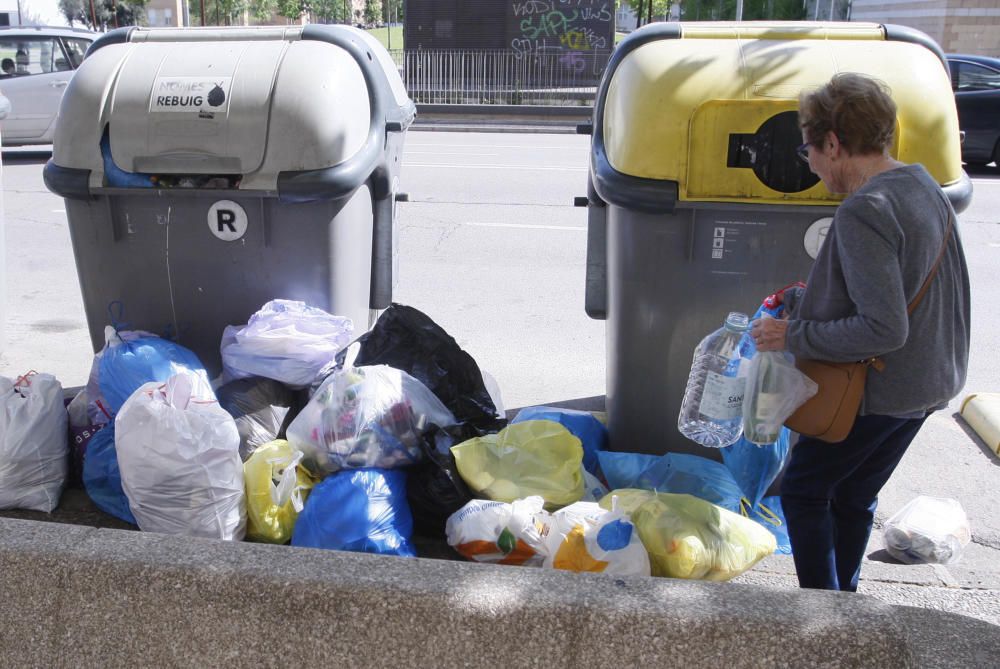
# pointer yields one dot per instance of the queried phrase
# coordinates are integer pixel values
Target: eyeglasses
(803, 152)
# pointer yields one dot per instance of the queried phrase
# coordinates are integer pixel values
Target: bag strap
(876, 363)
(937, 263)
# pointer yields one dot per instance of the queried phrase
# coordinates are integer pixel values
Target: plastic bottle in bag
(712, 408)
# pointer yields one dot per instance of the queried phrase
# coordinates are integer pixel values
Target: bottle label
(722, 398)
(767, 406)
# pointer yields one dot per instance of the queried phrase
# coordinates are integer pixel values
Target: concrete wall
(81, 597)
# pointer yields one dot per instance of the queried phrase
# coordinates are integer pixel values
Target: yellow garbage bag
(687, 537)
(536, 457)
(277, 487)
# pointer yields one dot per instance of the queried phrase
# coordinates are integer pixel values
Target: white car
(36, 63)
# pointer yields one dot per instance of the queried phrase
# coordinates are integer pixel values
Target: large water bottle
(712, 409)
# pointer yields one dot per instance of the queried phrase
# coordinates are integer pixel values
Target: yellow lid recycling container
(697, 202)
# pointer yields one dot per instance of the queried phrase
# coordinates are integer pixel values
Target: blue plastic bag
(622, 470)
(675, 473)
(582, 424)
(361, 510)
(101, 477)
(770, 514)
(126, 365)
(756, 467)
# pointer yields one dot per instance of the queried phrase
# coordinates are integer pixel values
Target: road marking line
(499, 146)
(443, 153)
(526, 226)
(498, 167)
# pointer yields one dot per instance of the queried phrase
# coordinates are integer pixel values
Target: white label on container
(227, 220)
(190, 94)
(722, 398)
(816, 235)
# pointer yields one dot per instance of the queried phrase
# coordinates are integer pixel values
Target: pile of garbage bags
(314, 437)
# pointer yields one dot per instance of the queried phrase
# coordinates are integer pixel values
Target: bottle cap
(737, 322)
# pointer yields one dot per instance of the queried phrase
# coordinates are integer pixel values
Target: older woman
(882, 245)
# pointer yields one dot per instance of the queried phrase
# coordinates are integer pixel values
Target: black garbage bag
(434, 488)
(407, 339)
(263, 408)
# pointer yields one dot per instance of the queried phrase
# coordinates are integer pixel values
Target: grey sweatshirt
(881, 246)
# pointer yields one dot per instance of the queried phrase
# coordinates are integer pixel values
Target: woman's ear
(831, 143)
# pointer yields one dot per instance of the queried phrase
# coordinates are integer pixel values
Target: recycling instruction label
(190, 94)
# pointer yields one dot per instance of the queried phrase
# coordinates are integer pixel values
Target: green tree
(660, 9)
(373, 12)
(291, 9)
(106, 13)
(331, 11)
(725, 10)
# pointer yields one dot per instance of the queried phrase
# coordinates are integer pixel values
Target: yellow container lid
(698, 104)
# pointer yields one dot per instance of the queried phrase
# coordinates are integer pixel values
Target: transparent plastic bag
(687, 537)
(774, 390)
(34, 442)
(277, 489)
(536, 457)
(286, 341)
(928, 530)
(593, 435)
(366, 417)
(180, 462)
(585, 537)
(260, 407)
(500, 533)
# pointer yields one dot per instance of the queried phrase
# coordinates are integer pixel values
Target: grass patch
(389, 36)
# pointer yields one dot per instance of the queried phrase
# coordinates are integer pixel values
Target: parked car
(976, 82)
(36, 64)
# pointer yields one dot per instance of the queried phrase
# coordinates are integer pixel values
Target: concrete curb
(501, 118)
(112, 598)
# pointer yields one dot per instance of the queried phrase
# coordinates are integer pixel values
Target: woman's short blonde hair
(856, 108)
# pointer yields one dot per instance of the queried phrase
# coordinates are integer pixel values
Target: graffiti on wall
(572, 28)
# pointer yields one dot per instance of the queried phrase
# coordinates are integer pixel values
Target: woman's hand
(769, 334)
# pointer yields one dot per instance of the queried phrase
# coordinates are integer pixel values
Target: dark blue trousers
(829, 494)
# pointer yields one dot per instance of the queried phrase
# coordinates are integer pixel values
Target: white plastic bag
(180, 462)
(286, 341)
(928, 529)
(775, 389)
(500, 533)
(34, 444)
(585, 537)
(366, 417)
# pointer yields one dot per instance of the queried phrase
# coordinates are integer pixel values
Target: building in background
(8, 13)
(165, 13)
(959, 26)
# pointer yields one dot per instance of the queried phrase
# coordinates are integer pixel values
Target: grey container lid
(300, 111)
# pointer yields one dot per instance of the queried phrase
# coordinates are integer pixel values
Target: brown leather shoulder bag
(829, 414)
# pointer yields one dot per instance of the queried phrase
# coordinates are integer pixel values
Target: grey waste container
(207, 171)
(697, 203)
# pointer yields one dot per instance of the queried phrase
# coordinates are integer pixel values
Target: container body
(209, 171)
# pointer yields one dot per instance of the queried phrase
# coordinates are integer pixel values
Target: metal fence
(502, 77)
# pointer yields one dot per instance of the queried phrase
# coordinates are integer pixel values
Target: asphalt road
(493, 250)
